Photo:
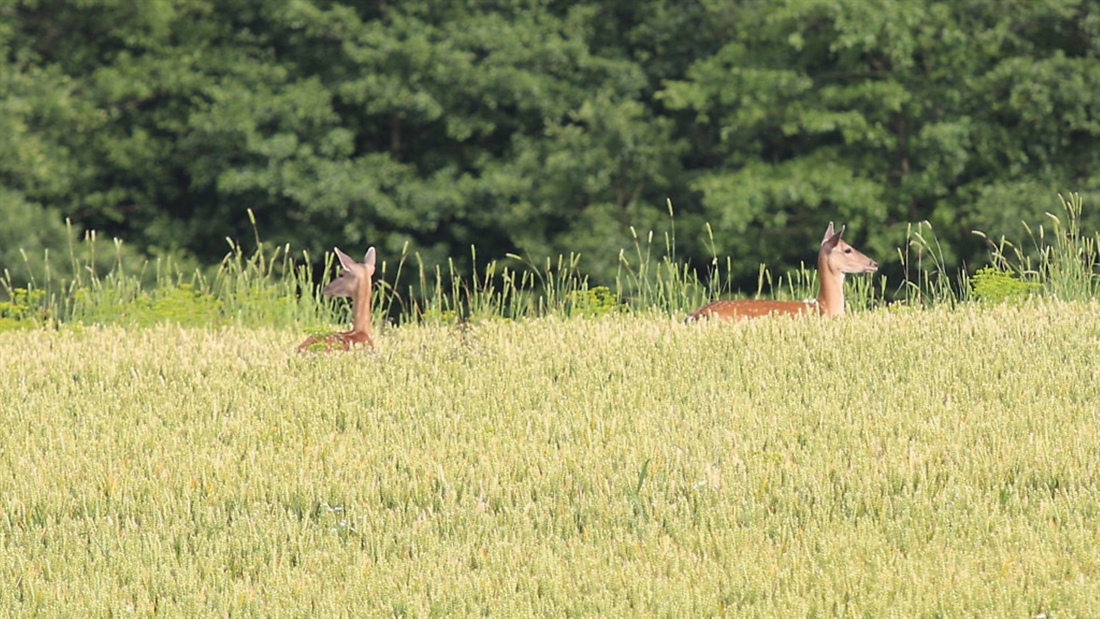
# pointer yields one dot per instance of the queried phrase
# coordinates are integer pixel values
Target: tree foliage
(543, 127)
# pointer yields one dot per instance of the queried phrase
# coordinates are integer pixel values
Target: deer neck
(360, 307)
(831, 298)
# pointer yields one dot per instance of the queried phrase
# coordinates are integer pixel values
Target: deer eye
(847, 250)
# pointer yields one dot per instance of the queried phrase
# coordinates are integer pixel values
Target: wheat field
(913, 463)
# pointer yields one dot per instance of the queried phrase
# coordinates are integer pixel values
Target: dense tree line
(543, 127)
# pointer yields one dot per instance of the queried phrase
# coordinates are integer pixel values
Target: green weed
(593, 302)
(995, 286)
(23, 310)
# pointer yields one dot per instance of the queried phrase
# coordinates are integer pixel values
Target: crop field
(907, 463)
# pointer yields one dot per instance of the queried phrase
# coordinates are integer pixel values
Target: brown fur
(356, 281)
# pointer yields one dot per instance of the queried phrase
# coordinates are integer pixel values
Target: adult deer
(835, 259)
(355, 281)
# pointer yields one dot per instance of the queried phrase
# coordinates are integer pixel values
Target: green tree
(545, 128)
(970, 114)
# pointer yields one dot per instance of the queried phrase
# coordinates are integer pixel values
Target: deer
(355, 280)
(835, 259)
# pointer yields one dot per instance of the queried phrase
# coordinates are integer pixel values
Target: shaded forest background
(543, 128)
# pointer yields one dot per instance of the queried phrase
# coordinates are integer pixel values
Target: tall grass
(662, 283)
(244, 289)
(271, 287)
(913, 464)
(926, 280)
(1064, 262)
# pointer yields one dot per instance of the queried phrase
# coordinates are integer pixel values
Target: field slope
(913, 463)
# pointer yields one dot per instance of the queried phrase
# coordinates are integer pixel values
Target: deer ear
(369, 258)
(345, 260)
(831, 237)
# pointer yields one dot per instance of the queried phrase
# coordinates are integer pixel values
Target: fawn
(355, 281)
(835, 259)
